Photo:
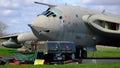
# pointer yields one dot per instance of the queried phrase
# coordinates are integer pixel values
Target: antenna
(45, 4)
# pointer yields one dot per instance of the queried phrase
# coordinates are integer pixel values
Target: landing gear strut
(81, 53)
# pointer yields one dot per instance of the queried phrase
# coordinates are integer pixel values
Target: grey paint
(16, 40)
(77, 25)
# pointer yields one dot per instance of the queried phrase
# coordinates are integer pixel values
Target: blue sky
(17, 14)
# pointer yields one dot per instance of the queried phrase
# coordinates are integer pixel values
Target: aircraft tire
(83, 54)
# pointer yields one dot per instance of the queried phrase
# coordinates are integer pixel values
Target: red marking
(16, 62)
(67, 46)
(65, 16)
(37, 46)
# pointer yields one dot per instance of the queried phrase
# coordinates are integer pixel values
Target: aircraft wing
(9, 36)
(104, 24)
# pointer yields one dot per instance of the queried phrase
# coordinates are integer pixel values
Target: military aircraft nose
(40, 32)
(43, 26)
(34, 28)
(38, 29)
(41, 21)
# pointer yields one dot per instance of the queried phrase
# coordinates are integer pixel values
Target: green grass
(105, 53)
(101, 52)
(103, 65)
(6, 51)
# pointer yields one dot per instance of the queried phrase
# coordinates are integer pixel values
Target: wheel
(83, 54)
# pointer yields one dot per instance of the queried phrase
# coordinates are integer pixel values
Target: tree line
(3, 27)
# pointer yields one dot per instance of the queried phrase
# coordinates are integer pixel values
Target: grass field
(6, 51)
(105, 52)
(101, 52)
(103, 65)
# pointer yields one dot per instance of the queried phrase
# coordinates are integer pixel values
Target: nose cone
(41, 21)
(40, 32)
(40, 27)
(43, 26)
(44, 22)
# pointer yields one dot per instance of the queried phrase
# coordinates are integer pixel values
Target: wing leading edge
(9, 36)
(107, 25)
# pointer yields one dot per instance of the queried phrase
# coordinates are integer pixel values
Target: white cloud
(15, 5)
(20, 3)
(113, 9)
(15, 21)
(102, 2)
(45, 1)
(86, 1)
(9, 3)
(6, 12)
(30, 1)
(4, 3)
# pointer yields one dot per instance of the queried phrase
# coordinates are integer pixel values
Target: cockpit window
(52, 12)
(48, 13)
(56, 11)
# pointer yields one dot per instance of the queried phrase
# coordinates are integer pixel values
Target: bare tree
(3, 27)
